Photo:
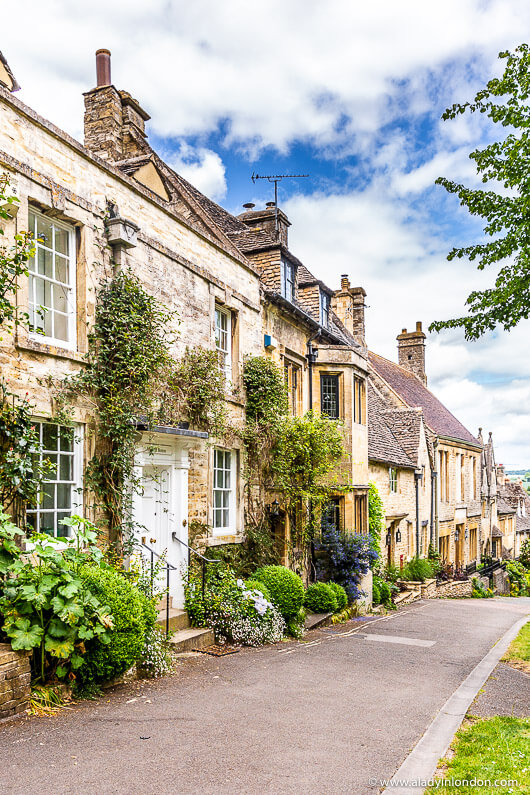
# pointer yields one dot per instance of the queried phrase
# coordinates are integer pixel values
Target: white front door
(161, 508)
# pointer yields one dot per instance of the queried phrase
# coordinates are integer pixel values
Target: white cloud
(202, 167)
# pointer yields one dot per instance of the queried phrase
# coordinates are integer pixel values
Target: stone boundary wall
(15, 681)
(454, 589)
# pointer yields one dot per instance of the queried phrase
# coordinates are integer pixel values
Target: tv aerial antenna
(276, 178)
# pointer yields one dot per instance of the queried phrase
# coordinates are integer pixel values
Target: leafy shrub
(479, 591)
(285, 587)
(296, 625)
(258, 548)
(417, 570)
(376, 594)
(382, 592)
(133, 614)
(524, 556)
(233, 611)
(519, 577)
(256, 585)
(155, 658)
(344, 557)
(320, 598)
(340, 593)
(46, 605)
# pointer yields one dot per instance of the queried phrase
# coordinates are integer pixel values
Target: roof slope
(382, 444)
(415, 395)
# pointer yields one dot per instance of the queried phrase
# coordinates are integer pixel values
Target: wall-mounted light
(274, 509)
(388, 538)
(398, 536)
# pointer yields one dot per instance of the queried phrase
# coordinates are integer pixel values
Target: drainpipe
(434, 476)
(417, 477)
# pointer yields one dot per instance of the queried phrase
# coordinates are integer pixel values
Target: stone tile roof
(504, 507)
(406, 427)
(415, 395)
(522, 524)
(383, 446)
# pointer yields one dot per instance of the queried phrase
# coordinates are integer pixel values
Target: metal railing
(169, 567)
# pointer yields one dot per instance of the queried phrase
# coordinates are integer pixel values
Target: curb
(420, 765)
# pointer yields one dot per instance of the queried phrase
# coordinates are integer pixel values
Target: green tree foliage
(505, 206)
(376, 516)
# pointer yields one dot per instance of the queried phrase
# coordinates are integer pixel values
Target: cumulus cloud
(202, 167)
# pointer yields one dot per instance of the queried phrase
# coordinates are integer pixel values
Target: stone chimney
(266, 219)
(114, 120)
(348, 304)
(501, 475)
(411, 352)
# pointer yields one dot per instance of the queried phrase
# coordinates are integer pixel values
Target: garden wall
(15, 677)
(454, 589)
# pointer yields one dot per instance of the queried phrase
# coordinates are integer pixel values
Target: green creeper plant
(13, 265)
(376, 516)
(504, 166)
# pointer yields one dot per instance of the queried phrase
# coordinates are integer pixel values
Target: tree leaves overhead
(505, 207)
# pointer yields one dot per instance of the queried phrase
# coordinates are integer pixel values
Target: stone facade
(15, 681)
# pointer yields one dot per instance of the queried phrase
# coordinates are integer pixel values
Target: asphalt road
(324, 716)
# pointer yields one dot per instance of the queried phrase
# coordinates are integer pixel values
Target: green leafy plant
(155, 658)
(524, 555)
(417, 570)
(46, 605)
(134, 615)
(340, 594)
(320, 598)
(258, 548)
(285, 587)
(479, 591)
(519, 577)
(256, 585)
(382, 592)
(13, 264)
(376, 516)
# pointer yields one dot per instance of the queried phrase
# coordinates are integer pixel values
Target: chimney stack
(266, 219)
(348, 304)
(103, 68)
(411, 352)
(114, 120)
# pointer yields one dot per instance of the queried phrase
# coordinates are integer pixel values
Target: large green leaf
(34, 595)
(59, 647)
(70, 589)
(25, 635)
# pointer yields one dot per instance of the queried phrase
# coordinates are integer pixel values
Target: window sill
(49, 350)
(228, 538)
(235, 399)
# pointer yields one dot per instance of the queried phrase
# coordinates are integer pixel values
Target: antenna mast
(276, 178)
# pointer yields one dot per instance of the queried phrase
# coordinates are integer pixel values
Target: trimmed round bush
(256, 585)
(340, 593)
(285, 588)
(385, 593)
(320, 598)
(133, 614)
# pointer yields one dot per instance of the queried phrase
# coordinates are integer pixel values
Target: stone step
(405, 597)
(178, 619)
(162, 603)
(192, 638)
(314, 620)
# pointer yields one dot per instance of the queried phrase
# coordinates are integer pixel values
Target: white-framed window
(287, 279)
(52, 300)
(324, 309)
(224, 481)
(393, 480)
(223, 340)
(61, 492)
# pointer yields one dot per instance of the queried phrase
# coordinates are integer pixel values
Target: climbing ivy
(13, 265)
(376, 516)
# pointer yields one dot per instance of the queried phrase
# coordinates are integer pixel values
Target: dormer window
(287, 278)
(324, 309)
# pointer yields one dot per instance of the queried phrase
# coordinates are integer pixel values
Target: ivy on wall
(376, 516)
(13, 265)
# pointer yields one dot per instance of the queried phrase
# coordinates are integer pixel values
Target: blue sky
(350, 93)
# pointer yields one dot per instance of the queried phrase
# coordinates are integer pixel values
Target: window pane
(61, 240)
(61, 327)
(50, 463)
(50, 436)
(44, 231)
(66, 436)
(62, 530)
(66, 469)
(62, 270)
(60, 298)
(48, 496)
(64, 496)
(47, 523)
(45, 262)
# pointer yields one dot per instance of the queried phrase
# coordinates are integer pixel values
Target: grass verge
(518, 654)
(491, 751)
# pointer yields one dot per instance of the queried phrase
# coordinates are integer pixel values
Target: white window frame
(224, 351)
(71, 315)
(76, 501)
(287, 268)
(393, 480)
(230, 528)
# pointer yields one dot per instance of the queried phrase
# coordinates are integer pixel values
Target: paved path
(325, 716)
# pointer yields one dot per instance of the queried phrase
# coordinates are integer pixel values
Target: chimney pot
(403, 330)
(249, 205)
(418, 325)
(103, 68)
(270, 204)
(344, 282)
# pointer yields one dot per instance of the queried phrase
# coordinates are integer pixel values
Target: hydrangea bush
(235, 612)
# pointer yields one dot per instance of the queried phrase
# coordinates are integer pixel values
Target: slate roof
(522, 524)
(383, 446)
(406, 427)
(416, 395)
(504, 507)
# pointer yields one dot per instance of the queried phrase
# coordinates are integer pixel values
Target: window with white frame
(223, 490)
(393, 479)
(324, 309)
(52, 303)
(287, 277)
(60, 493)
(223, 339)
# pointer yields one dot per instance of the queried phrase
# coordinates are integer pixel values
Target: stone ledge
(49, 350)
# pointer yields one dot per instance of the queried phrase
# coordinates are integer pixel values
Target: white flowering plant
(235, 613)
(155, 659)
